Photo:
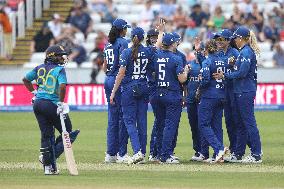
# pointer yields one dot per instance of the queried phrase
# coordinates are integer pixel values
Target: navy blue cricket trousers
(230, 115)
(153, 102)
(168, 118)
(247, 131)
(117, 137)
(134, 108)
(48, 120)
(192, 113)
(210, 113)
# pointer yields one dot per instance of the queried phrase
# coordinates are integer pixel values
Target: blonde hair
(253, 43)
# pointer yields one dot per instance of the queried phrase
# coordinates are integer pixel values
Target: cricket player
(193, 82)
(210, 110)
(183, 86)
(169, 73)
(117, 137)
(244, 76)
(51, 83)
(134, 63)
(151, 40)
(223, 40)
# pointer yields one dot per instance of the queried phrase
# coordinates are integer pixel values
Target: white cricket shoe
(48, 170)
(137, 157)
(172, 161)
(124, 159)
(232, 158)
(220, 155)
(110, 159)
(174, 157)
(198, 158)
(143, 161)
(209, 160)
(153, 159)
(251, 159)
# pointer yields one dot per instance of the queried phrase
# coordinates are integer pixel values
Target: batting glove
(34, 97)
(62, 108)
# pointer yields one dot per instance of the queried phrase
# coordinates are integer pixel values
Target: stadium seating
(105, 27)
(38, 57)
(130, 11)
(86, 65)
(93, 55)
(89, 46)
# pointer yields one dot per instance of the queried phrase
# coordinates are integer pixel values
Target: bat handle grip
(62, 122)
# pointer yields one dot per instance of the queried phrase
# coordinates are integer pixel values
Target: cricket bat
(70, 160)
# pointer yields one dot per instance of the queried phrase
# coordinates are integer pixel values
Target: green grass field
(19, 166)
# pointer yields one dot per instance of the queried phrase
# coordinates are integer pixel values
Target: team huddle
(222, 78)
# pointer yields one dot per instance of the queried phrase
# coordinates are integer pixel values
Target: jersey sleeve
(151, 58)
(123, 60)
(245, 60)
(179, 65)
(235, 53)
(205, 73)
(31, 75)
(62, 77)
(200, 57)
(184, 62)
(123, 45)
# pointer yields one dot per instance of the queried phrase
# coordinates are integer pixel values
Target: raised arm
(161, 28)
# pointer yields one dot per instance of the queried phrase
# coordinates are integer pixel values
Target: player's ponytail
(136, 42)
(253, 43)
(114, 33)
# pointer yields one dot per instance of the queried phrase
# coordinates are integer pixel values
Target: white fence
(22, 19)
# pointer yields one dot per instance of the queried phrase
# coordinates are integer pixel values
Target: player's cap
(225, 33)
(241, 32)
(139, 32)
(152, 32)
(177, 36)
(168, 39)
(120, 24)
(55, 50)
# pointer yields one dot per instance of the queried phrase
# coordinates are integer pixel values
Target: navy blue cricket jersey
(231, 52)
(112, 53)
(245, 71)
(167, 68)
(182, 56)
(151, 78)
(193, 80)
(135, 70)
(210, 87)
